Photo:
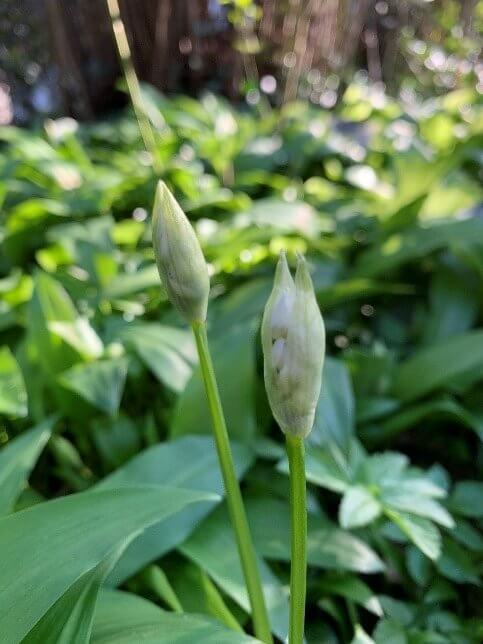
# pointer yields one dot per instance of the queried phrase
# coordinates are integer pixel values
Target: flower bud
(179, 257)
(293, 340)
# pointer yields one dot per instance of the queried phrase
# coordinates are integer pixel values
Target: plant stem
(298, 514)
(132, 82)
(234, 499)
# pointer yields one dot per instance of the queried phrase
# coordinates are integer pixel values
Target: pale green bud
(179, 257)
(293, 340)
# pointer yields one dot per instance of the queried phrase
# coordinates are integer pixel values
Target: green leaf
(457, 564)
(156, 581)
(213, 548)
(117, 439)
(468, 536)
(466, 499)
(17, 459)
(168, 352)
(335, 415)
(128, 284)
(453, 310)
(328, 547)
(388, 631)
(59, 541)
(234, 363)
(352, 588)
(360, 636)
(198, 594)
(415, 243)
(436, 366)
(122, 618)
(69, 620)
(283, 216)
(401, 499)
(420, 531)
(100, 383)
(329, 467)
(433, 410)
(358, 507)
(13, 395)
(384, 468)
(419, 566)
(80, 335)
(190, 462)
(51, 304)
(358, 289)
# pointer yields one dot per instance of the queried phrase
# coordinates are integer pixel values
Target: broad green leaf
(415, 173)
(384, 468)
(283, 216)
(190, 462)
(400, 499)
(453, 309)
(403, 612)
(59, 541)
(243, 304)
(100, 383)
(457, 564)
(212, 547)
(468, 536)
(80, 335)
(17, 459)
(168, 352)
(127, 284)
(467, 499)
(117, 439)
(13, 395)
(358, 289)
(334, 418)
(415, 243)
(436, 366)
(328, 547)
(419, 566)
(51, 304)
(234, 363)
(122, 618)
(388, 631)
(352, 588)
(358, 507)
(69, 620)
(433, 410)
(424, 534)
(330, 467)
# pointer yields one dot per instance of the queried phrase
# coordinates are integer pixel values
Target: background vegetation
(100, 390)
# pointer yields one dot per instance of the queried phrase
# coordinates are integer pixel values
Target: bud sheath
(293, 339)
(179, 257)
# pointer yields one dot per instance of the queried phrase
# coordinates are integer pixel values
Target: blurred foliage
(385, 200)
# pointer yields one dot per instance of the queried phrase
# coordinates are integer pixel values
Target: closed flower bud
(179, 257)
(293, 339)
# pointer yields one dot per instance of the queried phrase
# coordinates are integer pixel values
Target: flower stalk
(184, 273)
(298, 546)
(234, 499)
(293, 340)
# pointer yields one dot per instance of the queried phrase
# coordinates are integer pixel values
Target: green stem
(298, 513)
(132, 82)
(234, 499)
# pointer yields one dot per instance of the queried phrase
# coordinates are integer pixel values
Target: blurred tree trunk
(85, 54)
(174, 43)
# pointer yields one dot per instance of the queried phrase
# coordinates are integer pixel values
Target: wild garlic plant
(184, 273)
(293, 340)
